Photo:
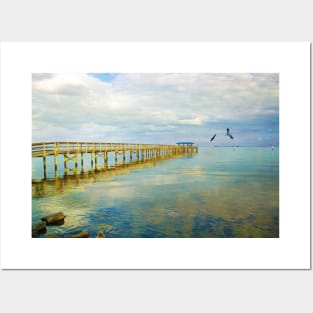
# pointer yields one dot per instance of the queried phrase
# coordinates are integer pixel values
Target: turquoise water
(217, 193)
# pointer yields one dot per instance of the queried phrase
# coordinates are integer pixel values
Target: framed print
(175, 155)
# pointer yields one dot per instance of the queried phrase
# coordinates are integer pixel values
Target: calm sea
(219, 192)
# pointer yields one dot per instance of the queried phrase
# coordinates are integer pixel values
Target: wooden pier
(121, 153)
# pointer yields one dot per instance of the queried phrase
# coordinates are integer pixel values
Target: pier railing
(41, 149)
(75, 151)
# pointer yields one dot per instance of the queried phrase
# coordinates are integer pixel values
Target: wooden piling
(65, 163)
(116, 157)
(82, 161)
(96, 161)
(106, 161)
(44, 167)
(92, 162)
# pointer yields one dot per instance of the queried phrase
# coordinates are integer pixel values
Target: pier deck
(75, 151)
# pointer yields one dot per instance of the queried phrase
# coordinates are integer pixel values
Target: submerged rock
(39, 228)
(52, 236)
(106, 228)
(100, 234)
(54, 219)
(84, 234)
(58, 223)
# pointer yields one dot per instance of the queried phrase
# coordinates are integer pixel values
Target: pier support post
(56, 160)
(106, 159)
(76, 161)
(93, 153)
(116, 156)
(55, 166)
(92, 161)
(65, 164)
(44, 161)
(44, 167)
(82, 161)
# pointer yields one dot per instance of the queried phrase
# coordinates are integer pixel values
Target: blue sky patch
(105, 77)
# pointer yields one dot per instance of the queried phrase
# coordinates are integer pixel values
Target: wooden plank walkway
(73, 151)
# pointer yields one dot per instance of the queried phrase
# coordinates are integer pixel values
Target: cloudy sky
(156, 108)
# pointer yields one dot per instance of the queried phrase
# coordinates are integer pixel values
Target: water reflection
(75, 181)
(217, 193)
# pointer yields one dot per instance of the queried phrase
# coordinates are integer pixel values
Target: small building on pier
(188, 146)
(185, 143)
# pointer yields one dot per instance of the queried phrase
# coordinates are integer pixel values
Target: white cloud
(82, 107)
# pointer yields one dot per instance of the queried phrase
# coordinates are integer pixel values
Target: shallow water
(219, 192)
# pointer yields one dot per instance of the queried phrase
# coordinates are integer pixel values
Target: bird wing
(228, 134)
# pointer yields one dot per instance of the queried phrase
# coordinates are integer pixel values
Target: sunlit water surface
(219, 192)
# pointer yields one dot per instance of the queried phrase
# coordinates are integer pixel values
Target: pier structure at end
(188, 146)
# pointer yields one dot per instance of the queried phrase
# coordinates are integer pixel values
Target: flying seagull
(228, 134)
(213, 138)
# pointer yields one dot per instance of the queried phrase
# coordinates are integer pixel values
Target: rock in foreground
(53, 219)
(39, 228)
(100, 234)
